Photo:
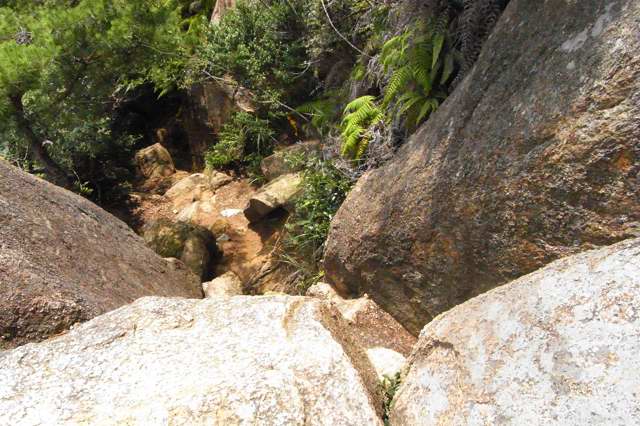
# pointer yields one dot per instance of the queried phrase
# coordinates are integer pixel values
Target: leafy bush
(260, 47)
(64, 78)
(243, 142)
(324, 189)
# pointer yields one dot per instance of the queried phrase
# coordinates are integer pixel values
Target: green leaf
(424, 111)
(410, 103)
(448, 68)
(438, 42)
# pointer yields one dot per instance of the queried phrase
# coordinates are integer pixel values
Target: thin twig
(326, 12)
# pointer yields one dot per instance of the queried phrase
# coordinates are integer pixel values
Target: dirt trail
(247, 248)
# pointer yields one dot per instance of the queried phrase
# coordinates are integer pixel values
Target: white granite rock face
(159, 361)
(559, 346)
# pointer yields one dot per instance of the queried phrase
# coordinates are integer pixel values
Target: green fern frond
(358, 103)
(399, 80)
(409, 103)
(438, 43)
(421, 62)
(448, 68)
(423, 79)
(362, 147)
(359, 116)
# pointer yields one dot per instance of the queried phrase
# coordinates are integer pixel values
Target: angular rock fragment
(279, 193)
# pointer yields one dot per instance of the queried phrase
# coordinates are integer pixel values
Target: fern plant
(360, 115)
(321, 112)
(421, 62)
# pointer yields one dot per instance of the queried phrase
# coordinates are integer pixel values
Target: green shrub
(421, 62)
(242, 143)
(259, 45)
(324, 189)
(64, 78)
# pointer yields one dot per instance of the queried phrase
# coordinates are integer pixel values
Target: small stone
(280, 193)
(225, 285)
(155, 162)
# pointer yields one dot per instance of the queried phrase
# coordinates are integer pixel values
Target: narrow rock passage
(246, 248)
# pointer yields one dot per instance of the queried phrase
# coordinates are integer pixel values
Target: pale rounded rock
(225, 285)
(155, 162)
(556, 347)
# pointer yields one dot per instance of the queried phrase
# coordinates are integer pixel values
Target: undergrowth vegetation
(242, 144)
(324, 188)
(389, 386)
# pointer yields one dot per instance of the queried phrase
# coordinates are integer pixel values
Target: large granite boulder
(535, 156)
(64, 260)
(559, 346)
(220, 361)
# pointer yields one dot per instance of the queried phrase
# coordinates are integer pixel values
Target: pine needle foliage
(359, 116)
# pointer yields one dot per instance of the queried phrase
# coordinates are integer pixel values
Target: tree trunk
(53, 171)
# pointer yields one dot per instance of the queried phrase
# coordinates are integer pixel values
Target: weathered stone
(534, 156)
(225, 285)
(208, 106)
(188, 185)
(221, 361)
(192, 244)
(559, 346)
(63, 260)
(385, 341)
(194, 185)
(159, 185)
(280, 163)
(322, 291)
(217, 179)
(155, 162)
(279, 193)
